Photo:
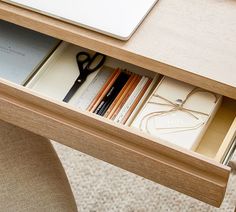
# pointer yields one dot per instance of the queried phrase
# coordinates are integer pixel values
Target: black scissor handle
(88, 65)
(96, 62)
(83, 57)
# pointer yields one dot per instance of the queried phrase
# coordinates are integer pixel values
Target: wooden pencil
(135, 83)
(103, 90)
(119, 97)
(129, 112)
(112, 93)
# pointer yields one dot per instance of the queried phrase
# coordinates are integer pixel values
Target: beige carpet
(101, 187)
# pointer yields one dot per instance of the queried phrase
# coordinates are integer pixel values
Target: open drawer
(199, 174)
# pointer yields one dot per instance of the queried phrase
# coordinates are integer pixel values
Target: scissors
(87, 65)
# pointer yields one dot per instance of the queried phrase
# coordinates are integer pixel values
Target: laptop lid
(116, 18)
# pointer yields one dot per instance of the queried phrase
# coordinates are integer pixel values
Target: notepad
(22, 51)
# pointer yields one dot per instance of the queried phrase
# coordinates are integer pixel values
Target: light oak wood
(221, 132)
(193, 41)
(169, 165)
(228, 141)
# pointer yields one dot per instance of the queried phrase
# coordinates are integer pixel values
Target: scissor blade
(72, 91)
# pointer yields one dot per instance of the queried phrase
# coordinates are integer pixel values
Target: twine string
(175, 107)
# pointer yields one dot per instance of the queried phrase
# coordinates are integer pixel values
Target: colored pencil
(104, 90)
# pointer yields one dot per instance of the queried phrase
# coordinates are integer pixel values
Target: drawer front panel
(175, 168)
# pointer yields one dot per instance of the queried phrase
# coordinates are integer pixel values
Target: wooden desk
(193, 41)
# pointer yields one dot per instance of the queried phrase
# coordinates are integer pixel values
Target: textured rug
(99, 186)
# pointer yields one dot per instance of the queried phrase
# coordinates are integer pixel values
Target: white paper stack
(178, 112)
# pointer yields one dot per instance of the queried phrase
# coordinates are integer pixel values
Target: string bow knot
(179, 106)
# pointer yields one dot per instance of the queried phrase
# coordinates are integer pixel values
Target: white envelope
(164, 117)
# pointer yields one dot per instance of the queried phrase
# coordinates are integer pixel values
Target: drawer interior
(214, 139)
(214, 144)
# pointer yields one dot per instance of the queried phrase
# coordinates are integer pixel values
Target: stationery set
(171, 110)
(119, 96)
(87, 81)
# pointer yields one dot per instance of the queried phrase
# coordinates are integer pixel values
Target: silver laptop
(116, 18)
